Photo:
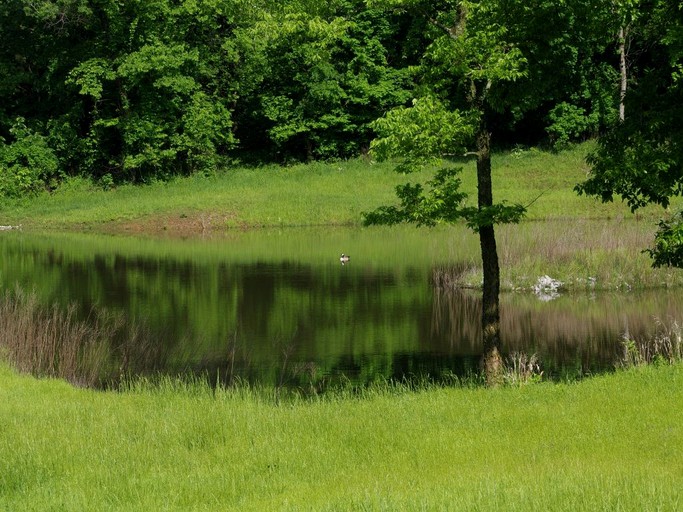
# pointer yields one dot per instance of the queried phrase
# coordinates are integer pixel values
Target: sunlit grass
(609, 443)
(302, 195)
(308, 194)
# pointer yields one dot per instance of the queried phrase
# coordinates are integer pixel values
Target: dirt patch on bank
(174, 225)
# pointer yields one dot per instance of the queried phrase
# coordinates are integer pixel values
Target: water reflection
(247, 314)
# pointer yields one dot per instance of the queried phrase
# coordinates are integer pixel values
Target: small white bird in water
(344, 258)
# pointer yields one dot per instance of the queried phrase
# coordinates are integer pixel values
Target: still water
(278, 307)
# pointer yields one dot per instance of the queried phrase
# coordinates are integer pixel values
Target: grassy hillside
(307, 194)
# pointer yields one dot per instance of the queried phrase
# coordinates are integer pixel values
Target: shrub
(27, 164)
(569, 123)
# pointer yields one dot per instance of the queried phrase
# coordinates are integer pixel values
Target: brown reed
(51, 341)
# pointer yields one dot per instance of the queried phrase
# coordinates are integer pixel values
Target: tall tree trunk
(623, 71)
(492, 364)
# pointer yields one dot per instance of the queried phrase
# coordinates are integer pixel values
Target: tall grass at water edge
(50, 341)
(99, 351)
(665, 346)
(609, 443)
(582, 254)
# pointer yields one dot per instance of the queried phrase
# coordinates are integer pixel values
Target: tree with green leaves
(128, 91)
(41, 41)
(640, 158)
(324, 77)
(468, 65)
(154, 95)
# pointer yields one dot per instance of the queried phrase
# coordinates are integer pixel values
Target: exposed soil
(174, 225)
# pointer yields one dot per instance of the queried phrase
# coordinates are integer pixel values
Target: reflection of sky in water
(209, 306)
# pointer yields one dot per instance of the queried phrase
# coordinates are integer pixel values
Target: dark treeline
(128, 91)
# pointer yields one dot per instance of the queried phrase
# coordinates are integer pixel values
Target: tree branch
(457, 30)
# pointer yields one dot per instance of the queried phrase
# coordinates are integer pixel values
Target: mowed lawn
(612, 442)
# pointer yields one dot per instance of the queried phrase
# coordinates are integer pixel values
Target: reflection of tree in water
(576, 333)
(455, 316)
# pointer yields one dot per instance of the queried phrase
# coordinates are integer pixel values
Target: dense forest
(143, 89)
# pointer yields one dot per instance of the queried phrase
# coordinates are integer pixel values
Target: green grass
(308, 194)
(613, 442)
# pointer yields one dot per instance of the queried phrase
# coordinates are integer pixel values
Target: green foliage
(668, 246)
(568, 123)
(499, 213)
(90, 76)
(472, 49)
(443, 202)
(153, 113)
(136, 90)
(27, 164)
(325, 77)
(641, 158)
(422, 134)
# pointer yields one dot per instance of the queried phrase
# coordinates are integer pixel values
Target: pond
(277, 306)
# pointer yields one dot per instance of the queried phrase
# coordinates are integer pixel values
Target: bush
(27, 164)
(668, 246)
(569, 123)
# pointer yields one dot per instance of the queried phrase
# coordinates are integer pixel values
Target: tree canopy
(145, 90)
(640, 158)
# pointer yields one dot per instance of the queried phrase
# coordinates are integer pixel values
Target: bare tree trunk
(624, 73)
(492, 364)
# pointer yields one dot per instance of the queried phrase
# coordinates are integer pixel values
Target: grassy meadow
(613, 442)
(333, 193)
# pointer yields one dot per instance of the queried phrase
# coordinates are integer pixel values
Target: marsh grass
(520, 368)
(585, 255)
(665, 345)
(52, 341)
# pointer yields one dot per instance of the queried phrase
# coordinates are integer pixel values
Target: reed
(95, 350)
(665, 345)
(50, 342)
(520, 368)
(583, 254)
